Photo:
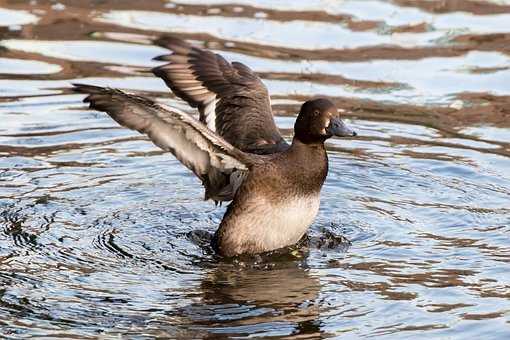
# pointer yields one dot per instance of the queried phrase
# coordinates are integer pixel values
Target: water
(102, 234)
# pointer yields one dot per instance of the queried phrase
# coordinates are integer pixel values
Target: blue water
(103, 234)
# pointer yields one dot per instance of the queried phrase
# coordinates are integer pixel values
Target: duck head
(319, 120)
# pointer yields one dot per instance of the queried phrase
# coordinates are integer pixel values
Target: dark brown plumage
(235, 148)
(231, 99)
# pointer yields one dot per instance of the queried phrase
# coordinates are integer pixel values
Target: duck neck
(311, 163)
(314, 147)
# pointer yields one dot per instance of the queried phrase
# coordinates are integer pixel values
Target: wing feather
(231, 98)
(209, 156)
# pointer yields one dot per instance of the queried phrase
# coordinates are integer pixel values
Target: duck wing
(231, 98)
(219, 165)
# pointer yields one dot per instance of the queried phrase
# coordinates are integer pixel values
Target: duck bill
(338, 128)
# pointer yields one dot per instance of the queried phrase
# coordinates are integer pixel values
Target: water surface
(102, 234)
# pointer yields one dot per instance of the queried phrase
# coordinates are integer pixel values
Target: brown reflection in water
(394, 289)
(493, 252)
(397, 328)
(244, 11)
(445, 6)
(485, 107)
(466, 43)
(77, 23)
(52, 149)
(286, 295)
(470, 316)
(444, 307)
(483, 42)
(329, 79)
(70, 69)
(384, 289)
(80, 15)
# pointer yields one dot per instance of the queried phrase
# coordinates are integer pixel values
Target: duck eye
(316, 112)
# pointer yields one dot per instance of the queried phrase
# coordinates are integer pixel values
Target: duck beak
(338, 128)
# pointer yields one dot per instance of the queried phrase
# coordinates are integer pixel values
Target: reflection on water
(102, 234)
(244, 301)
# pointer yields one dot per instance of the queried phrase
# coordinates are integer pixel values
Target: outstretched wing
(217, 163)
(231, 98)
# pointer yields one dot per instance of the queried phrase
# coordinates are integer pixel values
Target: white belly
(287, 221)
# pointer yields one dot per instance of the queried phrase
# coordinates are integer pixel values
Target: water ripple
(104, 235)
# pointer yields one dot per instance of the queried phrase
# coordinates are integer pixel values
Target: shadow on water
(104, 235)
(243, 301)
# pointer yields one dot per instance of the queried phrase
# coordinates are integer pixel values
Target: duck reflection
(254, 299)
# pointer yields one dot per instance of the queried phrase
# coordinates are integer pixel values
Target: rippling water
(102, 234)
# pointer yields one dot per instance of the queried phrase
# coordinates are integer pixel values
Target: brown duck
(235, 147)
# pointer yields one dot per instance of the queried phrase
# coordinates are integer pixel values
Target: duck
(234, 147)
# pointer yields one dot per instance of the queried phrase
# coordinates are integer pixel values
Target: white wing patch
(192, 143)
(183, 78)
(173, 130)
(210, 114)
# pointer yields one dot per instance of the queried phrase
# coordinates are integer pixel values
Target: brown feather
(242, 115)
(208, 155)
